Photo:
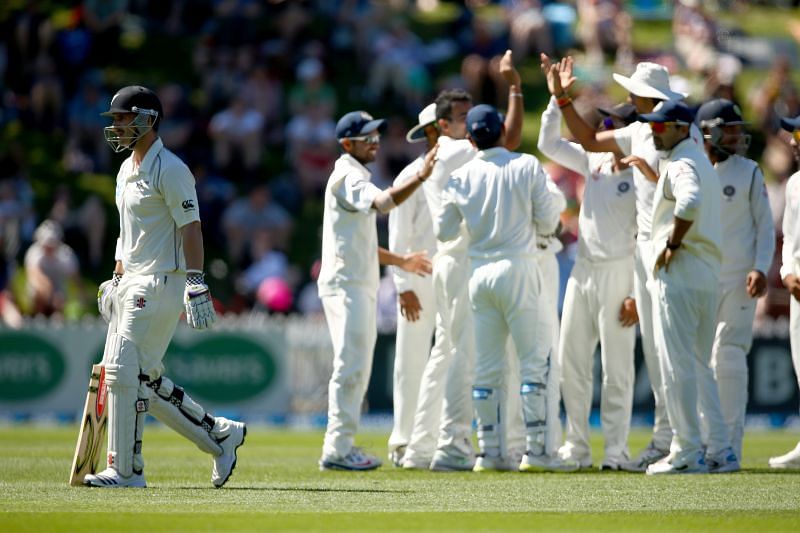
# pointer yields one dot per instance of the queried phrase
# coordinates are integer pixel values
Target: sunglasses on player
(369, 139)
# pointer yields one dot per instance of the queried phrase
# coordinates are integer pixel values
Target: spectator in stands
(245, 216)
(236, 135)
(49, 265)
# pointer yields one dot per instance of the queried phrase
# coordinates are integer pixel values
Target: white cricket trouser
(794, 335)
(428, 417)
(595, 292)
(351, 317)
(548, 318)
(455, 431)
(662, 433)
(684, 334)
(505, 299)
(734, 338)
(412, 348)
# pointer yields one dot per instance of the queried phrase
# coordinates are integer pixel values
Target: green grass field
(277, 487)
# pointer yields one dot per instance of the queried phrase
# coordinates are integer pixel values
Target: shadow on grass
(298, 489)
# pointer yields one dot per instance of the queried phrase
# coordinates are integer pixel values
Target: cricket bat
(93, 429)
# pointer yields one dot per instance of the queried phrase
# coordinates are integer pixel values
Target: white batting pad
(486, 403)
(125, 409)
(534, 409)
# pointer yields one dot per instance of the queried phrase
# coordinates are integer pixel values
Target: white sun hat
(426, 117)
(649, 81)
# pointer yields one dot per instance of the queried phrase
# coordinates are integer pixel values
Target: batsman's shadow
(304, 489)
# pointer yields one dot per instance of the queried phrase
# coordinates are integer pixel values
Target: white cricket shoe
(546, 463)
(646, 457)
(447, 461)
(412, 462)
(568, 453)
(110, 479)
(691, 463)
(787, 460)
(485, 463)
(615, 463)
(225, 463)
(723, 462)
(396, 456)
(356, 459)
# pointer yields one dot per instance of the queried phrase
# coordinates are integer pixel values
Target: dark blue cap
(719, 112)
(669, 111)
(791, 124)
(484, 124)
(358, 123)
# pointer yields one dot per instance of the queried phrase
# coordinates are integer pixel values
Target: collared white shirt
(154, 200)
(748, 233)
(452, 154)
(689, 188)
(410, 228)
(607, 219)
(791, 228)
(504, 200)
(637, 139)
(349, 234)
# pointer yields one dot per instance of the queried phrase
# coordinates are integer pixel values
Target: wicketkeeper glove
(107, 295)
(200, 312)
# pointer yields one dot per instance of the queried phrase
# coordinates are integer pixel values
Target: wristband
(194, 277)
(672, 246)
(116, 277)
(563, 101)
(515, 95)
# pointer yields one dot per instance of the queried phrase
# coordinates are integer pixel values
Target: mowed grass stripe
(277, 486)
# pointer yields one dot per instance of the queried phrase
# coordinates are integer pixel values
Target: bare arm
(192, 236)
(679, 229)
(415, 262)
(400, 193)
(516, 106)
(559, 80)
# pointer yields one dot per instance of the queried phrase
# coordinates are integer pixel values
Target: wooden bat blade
(92, 430)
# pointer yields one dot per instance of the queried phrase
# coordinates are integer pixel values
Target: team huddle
(675, 234)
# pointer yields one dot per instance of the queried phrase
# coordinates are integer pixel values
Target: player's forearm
(193, 246)
(679, 229)
(514, 116)
(386, 257)
(118, 268)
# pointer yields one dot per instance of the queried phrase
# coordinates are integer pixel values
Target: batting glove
(107, 295)
(200, 312)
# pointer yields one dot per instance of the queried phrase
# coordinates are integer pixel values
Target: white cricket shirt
(504, 200)
(607, 219)
(349, 234)
(689, 188)
(791, 228)
(154, 200)
(748, 233)
(637, 139)
(410, 228)
(452, 154)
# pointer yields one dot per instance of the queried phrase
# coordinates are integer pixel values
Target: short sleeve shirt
(349, 233)
(154, 201)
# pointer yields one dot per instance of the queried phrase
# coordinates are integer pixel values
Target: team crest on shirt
(188, 205)
(623, 187)
(139, 302)
(729, 191)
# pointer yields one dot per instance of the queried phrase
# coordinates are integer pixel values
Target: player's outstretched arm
(414, 262)
(397, 194)
(516, 107)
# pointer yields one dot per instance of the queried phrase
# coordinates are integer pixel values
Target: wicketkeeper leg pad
(171, 405)
(126, 407)
(534, 410)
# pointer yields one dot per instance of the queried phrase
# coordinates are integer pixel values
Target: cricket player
(158, 274)
(684, 280)
(748, 245)
(503, 198)
(348, 279)
(447, 379)
(790, 272)
(647, 87)
(598, 304)
(411, 229)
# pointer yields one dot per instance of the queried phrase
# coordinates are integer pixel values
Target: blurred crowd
(251, 91)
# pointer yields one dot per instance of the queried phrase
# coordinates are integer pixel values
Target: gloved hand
(200, 312)
(107, 295)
